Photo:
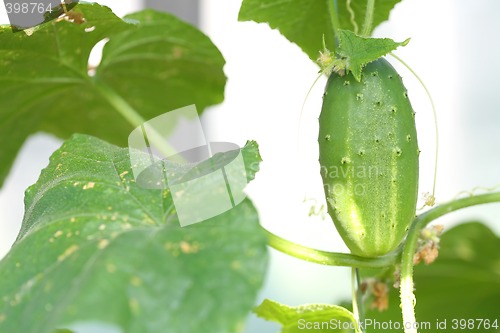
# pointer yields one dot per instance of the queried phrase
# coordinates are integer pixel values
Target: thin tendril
(435, 118)
(302, 109)
(352, 16)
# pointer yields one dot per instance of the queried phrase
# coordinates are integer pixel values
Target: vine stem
(407, 295)
(334, 19)
(359, 295)
(355, 310)
(155, 139)
(357, 301)
(405, 252)
(328, 258)
(368, 23)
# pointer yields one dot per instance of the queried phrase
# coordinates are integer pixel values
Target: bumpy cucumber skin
(368, 154)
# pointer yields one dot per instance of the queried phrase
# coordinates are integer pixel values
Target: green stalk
(359, 295)
(410, 246)
(328, 258)
(357, 300)
(368, 23)
(156, 140)
(354, 292)
(334, 20)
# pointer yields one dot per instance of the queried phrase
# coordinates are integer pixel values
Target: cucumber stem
(410, 245)
(357, 300)
(133, 118)
(328, 258)
(368, 23)
(334, 20)
(354, 292)
(361, 308)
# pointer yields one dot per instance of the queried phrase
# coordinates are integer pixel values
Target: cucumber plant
(96, 252)
(366, 122)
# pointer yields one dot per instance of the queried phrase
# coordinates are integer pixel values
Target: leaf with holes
(154, 61)
(98, 251)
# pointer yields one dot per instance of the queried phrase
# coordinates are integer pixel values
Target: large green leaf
(317, 318)
(95, 249)
(463, 283)
(154, 61)
(305, 22)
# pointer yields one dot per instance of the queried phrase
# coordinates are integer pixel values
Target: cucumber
(368, 153)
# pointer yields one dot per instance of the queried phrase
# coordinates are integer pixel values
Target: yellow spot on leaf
(111, 268)
(48, 287)
(69, 251)
(134, 305)
(58, 233)
(2, 317)
(103, 243)
(171, 248)
(29, 31)
(102, 227)
(89, 185)
(16, 300)
(189, 248)
(136, 281)
(236, 265)
(177, 52)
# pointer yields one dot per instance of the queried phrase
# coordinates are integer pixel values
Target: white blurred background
(454, 48)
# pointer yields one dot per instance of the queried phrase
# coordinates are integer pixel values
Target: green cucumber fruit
(368, 154)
